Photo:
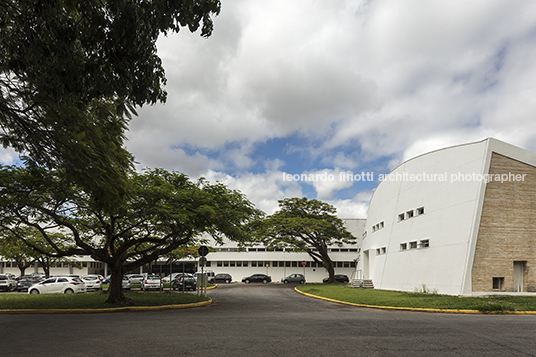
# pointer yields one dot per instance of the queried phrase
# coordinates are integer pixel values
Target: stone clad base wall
(507, 231)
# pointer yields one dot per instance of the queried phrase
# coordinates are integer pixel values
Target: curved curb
(419, 309)
(112, 309)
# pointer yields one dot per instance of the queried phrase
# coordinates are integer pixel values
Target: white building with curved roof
(457, 221)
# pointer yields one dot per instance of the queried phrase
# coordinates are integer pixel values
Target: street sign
(203, 250)
(304, 263)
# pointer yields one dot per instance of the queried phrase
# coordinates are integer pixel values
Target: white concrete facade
(423, 220)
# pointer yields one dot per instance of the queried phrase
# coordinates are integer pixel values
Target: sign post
(203, 251)
(303, 263)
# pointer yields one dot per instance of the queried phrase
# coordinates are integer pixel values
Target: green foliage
(304, 225)
(164, 211)
(377, 297)
(92, 300)
(71, 74)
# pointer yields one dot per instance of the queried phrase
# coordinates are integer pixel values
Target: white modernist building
(231, 259)
(457, 221)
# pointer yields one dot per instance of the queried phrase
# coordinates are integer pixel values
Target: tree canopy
(305, 225)
(165, 211)
(72, 73)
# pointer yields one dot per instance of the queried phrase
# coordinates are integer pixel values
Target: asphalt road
(267, 320)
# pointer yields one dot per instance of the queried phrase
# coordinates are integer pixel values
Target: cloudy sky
(333, 87)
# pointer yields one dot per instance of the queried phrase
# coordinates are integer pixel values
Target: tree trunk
(328, 265)
(117, 297)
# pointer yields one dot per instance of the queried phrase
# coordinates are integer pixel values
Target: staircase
(367, 284)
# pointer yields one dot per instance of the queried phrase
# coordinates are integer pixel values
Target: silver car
(294, 278)
(151, 282)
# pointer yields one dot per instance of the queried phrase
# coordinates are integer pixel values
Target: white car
(136, 278)
(151, 282)
(93, 282)
(58, 285)
(125, 284)
(7, 282)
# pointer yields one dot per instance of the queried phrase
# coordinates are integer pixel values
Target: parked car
(125, 284)
(340, 278)
(183, 280)
(58, 285)
(294, 278)
(136, 278)
(26, 281)
(93, 282)
(106, 280)
(222, 278)
(257, 278)
(151, 282)
(7, 282)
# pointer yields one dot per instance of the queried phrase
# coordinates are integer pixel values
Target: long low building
(237, 261)
(455, 221)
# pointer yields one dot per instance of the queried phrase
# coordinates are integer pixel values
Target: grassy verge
(93, 300)
(375, 297)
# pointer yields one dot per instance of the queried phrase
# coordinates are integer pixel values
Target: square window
(412, 245)
(232, 264)
(498, 283)
(404, 246)
(401, 217)
(208, 264)
(245, 264)
(225, 264)
(274, 264)
(254, 264)
(381, 224)
(409, 214)
(219, 264)
(420, 211)
(294, 264)
(287, 264)
(260, 264)
(384, 250)
(425, 243)
(378, 252)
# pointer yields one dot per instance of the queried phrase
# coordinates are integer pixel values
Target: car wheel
(286, 281)
(69, 291)
(34, 291)
(247, 281)
(264, 281)
(302, 281)
(227, 281)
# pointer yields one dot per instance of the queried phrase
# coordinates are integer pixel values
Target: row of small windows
(425, 243)
(410, 214)
(378, 226)
(276, 264)
(381, 250)
(343, 250)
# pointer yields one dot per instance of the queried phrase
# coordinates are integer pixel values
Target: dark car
(338, 278)
(187, 281)
(222, 278)
(26, 281)
(294, 278)
(257, 278)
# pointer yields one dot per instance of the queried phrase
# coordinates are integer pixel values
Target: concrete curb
(112, 309)
(417, 309)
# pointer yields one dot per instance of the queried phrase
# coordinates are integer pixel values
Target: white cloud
(361, 81)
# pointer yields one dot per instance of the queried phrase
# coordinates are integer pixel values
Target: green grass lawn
(92, 300)
(376, 297)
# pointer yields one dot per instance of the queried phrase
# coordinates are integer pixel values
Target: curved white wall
(451, 211)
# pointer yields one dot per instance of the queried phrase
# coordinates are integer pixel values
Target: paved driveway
(268, 320)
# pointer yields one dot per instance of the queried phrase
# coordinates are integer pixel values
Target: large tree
(71, 74)
(305, 225)
(165, 211)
